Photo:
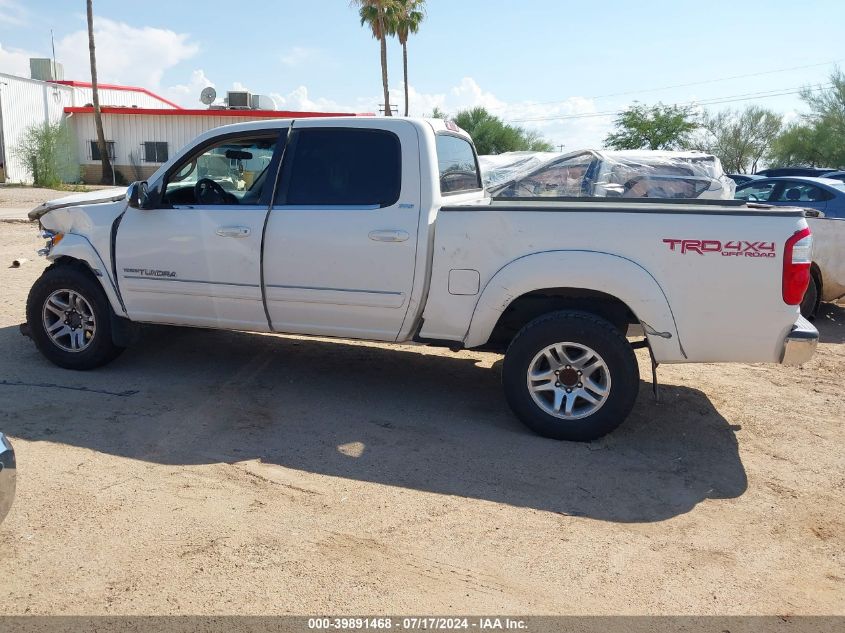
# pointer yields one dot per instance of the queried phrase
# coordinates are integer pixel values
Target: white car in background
(607, 174)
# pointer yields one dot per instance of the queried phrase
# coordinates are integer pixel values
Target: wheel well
(531, 305)
(816, 272)
(72, 262)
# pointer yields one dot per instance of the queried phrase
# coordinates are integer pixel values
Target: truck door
(194, 259)
(342, 233)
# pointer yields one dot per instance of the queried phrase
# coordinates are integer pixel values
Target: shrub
(47, 152)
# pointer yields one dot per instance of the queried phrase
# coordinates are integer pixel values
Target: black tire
(583, 329)
(99, 349)
(810, 302)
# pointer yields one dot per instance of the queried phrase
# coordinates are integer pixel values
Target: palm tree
(377, 15)
(408, 16)
(95, 98)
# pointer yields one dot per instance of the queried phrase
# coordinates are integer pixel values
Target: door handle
(233, 231)
(389, 236)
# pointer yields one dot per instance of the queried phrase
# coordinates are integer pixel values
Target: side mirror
(136, 194)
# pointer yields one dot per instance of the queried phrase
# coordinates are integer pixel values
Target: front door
(342, 234)
(195, 258)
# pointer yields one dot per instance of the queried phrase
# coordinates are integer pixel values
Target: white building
(142, 129)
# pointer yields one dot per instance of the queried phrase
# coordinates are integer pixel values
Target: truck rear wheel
(69, 319)
(570, 376)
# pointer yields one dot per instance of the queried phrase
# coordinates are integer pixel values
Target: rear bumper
(800, 344)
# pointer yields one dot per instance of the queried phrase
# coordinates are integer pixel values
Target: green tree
(818, 139)
(491, 135)
(804, 144)
(741, 139)
(660, 126)
(47, 152)
(407, 15)
(107, 175)
(377, 14)
(437, 113)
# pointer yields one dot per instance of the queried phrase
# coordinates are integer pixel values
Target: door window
(232, 171)
(801, 192)
(342, 167)
(755, 192)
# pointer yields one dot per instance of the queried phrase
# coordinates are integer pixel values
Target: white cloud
(15, 61)
(125, 54)
(12, 13)
(299, 99)
(187, 94)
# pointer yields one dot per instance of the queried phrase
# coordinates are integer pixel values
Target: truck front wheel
(570, 376)
(69, 319)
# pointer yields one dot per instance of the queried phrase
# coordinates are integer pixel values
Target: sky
(562, 68)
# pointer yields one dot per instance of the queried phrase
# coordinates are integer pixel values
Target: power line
(748, 96)
(700, 83)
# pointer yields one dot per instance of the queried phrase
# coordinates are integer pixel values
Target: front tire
(69, 319)
(570, 376)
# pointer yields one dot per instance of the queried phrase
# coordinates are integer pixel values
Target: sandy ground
(212, 472)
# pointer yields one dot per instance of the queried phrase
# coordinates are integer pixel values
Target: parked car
(741, 179)
(8, 472)
(611, 174)
(823, 194)
(835, 175)
(827, 196)
(380, 229)
(777, 172)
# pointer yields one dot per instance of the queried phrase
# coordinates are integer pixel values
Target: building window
(155, 151)
(95, 150)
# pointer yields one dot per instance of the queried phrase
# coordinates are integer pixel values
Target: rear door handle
(389, 236)
(233, 231)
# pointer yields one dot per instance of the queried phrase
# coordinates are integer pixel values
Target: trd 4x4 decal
(733, 248)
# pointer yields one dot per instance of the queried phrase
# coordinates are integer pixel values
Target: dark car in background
(778, 172)
(824, 194)
(741, 179)
(835, 175)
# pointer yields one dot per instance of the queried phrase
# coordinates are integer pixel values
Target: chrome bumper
(800, 344)
(7, 476)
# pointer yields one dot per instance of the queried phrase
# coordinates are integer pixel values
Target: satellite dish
(208, 95)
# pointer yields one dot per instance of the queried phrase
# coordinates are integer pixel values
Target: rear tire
(570, 376)
(810, 302)
(70, 319)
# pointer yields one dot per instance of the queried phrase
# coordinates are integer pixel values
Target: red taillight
(797, 257)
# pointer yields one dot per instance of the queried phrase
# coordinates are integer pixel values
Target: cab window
(232, 171)
(457, 164)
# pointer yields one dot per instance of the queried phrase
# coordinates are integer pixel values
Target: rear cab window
(457, 164)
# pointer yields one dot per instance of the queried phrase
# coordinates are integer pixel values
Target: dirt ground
(224, 473)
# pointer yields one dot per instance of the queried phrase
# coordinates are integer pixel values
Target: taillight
(797, 257)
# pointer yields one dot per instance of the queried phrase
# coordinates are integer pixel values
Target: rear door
(341, 238)
(801, 194)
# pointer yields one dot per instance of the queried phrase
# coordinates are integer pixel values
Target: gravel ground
(226, 473)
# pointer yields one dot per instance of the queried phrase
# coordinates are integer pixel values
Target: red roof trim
(149, 93)
(254, 114)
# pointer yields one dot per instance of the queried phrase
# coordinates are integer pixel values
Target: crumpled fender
(589, 270)
(78, 247)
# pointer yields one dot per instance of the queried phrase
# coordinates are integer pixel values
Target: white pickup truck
(379, 229)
